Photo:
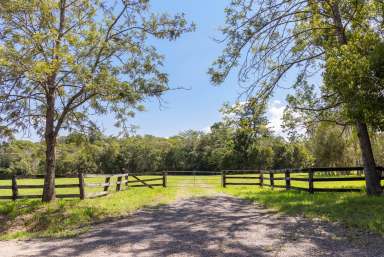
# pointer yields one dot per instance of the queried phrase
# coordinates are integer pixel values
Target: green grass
(351, 209)
(303, 184)
(59, 181)
(65, 218)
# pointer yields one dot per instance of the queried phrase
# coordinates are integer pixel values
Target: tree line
(62, 62)
(229, 144)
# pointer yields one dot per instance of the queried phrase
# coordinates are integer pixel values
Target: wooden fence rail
(15, 187)
(268, 178)
(121, 182)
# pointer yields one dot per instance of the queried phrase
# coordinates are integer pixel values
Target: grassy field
(304, 184)
(64, 218)
(355, 210)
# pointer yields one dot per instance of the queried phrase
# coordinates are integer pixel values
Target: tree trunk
(50, 155)
(372, 176)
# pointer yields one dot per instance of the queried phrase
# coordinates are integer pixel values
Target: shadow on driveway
(210, 226)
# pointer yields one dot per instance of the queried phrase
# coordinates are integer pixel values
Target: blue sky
(187, 62)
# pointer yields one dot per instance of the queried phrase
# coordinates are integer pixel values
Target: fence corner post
(223, 179)
(165, 175)
(81, 186)
(287, 179)
(15, 189)
(310, 181)
(261, 178)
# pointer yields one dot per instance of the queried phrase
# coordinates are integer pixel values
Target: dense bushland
(191, 150)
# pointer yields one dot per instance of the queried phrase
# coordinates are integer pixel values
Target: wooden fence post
(271, 180)
(126, 180)
(118, 183)
(107, 181)
(165, 175)
(223, 179)
(81, 186)
(15, 190)
(287, 179)
(261, 179)
(310, 181)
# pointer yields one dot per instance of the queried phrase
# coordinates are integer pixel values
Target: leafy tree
(220, 142)
(342, 39)
(62, 61)
(20, 157)
(249, 123)
(293, 154)
(378, 147)
(328, 146)
(143, 154)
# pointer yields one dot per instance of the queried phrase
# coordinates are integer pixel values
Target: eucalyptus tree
(249, 123)
(340, 39)
(63, 61)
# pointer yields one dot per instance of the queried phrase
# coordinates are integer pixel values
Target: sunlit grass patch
(352, 209)
(66, 218)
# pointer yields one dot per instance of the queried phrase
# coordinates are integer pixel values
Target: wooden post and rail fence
(83, 183)
(306, 176)
(302, 179)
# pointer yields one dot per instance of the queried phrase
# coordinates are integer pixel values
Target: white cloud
(206, 129)
(275, 116)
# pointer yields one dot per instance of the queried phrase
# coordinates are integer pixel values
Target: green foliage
(350, 64)
(187, 151)
(327, 145)
(250, 126)
(20, 157)
(75, 58)
(351, 72)
(62, 62)
(338, 40)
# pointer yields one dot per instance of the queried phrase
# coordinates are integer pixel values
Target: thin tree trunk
(372, 176)
(50, 155)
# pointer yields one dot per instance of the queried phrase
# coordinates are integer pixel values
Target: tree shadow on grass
(355, 210)
(210, 226)
(11, 210)
(33, 216)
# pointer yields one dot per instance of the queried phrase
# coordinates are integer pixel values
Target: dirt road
(212, 226)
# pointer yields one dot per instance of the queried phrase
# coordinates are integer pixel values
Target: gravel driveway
(211, 226)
